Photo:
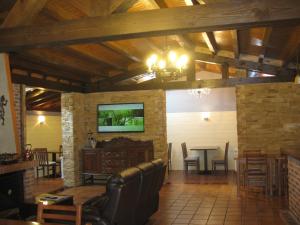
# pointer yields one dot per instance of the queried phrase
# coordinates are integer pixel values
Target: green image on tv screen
(120, 118)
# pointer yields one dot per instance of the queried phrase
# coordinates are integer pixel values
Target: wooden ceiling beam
(36, 65)
(266, 40)
(43, 98)
(217, 83)
(36, 82)
(23, 12)
(124, 6)
(236, 43)
(265, 68)
(47, 102)
(154, 22)
(225, 71)
(210, 41)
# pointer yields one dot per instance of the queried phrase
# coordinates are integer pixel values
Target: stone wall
(268, 116)
(79, 116)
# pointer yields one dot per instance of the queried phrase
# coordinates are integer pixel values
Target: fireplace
(11, 189)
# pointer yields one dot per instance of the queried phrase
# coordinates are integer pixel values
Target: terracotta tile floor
(213, 200)
(197, 200)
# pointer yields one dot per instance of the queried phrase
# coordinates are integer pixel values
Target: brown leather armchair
(131, 197)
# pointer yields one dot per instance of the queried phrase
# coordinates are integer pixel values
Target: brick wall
(268, 116)
(79, 117)
(18, 109)
(294, 187)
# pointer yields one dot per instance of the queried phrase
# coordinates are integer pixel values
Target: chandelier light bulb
(172, 56)
(184, 60)
(162, 64)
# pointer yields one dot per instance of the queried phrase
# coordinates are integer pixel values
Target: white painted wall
(7, 131)
(185, 123)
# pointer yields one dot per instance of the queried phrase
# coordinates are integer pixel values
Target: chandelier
(200, 92)
(170, 65)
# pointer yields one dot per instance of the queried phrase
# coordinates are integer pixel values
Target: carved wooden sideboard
(114, 156)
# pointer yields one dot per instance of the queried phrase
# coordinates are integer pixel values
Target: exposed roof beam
(265, 68)
(154, 22)
(210, 41)
(225, 71)
(183, 40)
(236, 43)
(124, 6)
(23, 12)
(266, 39)
(36, 82)
(193, 84)
(33, 64)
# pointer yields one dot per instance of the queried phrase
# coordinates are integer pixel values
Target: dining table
(205, 149)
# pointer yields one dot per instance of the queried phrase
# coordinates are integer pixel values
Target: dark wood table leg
(205, 162)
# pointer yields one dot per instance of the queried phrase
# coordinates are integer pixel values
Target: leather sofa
(131, 197)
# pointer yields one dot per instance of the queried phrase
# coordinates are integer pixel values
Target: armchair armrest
(93, 208)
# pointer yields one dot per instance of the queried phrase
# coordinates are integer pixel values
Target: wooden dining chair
(59, 214)
(189, 160)
(41, 155)
(256, 172)
(169, 156)
(221, 162)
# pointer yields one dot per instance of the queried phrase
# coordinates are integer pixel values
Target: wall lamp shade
(41, 119)
(205, 116)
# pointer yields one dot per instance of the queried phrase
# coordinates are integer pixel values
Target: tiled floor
(194, 200)
(197, 199)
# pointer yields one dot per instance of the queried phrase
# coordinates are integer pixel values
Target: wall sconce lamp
(205, 116)
(41, 119)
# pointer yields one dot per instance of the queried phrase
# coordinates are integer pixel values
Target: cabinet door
(90, 161)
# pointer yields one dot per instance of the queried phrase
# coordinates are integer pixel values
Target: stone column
(74, 136)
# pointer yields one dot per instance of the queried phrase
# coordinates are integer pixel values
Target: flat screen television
(124, 117)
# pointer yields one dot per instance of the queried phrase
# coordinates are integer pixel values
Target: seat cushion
(218, 161)
(191, 158)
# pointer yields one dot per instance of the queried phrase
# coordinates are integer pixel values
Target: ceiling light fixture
(169, 65)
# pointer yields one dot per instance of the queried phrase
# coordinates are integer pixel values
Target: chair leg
(186, 167)
(198, 167)
(43, 171)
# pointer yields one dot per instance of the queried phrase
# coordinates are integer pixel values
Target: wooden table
(21, 222)
(205, 149)
(273, 161)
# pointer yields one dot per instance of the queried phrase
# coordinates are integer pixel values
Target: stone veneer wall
(268, 116)
(79, 117)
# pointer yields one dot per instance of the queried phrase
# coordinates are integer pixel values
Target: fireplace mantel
(19, 166)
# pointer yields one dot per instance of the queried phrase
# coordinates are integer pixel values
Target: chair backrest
(252, 152)
(59, 214)
(148, 179)
(122, 190)
(226, 152)
(41, 155)
(256, 161)
(184, 150)
(169, 151)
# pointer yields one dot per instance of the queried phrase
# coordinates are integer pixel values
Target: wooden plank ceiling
(103, 65)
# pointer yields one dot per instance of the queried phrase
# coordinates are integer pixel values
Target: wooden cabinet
(116, 155)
